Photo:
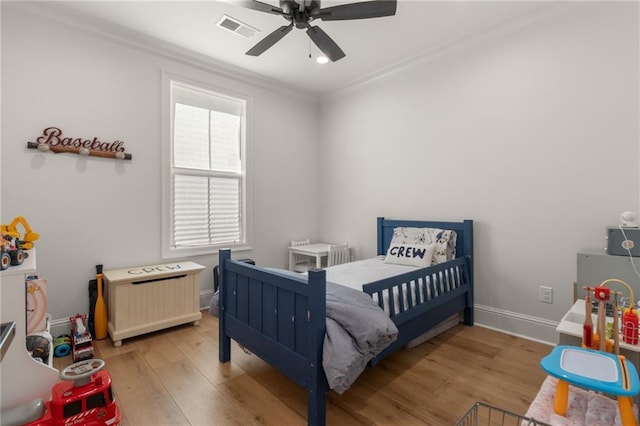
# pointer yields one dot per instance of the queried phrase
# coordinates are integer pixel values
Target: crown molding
(545, 10)
(57, 12)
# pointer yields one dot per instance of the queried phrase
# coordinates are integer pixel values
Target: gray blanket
(357, 330)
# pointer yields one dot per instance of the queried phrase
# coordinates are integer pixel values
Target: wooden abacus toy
(598, 340)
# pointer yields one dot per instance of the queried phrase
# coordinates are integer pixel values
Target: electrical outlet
(546, 294)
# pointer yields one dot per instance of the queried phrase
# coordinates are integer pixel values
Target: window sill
(184, 253)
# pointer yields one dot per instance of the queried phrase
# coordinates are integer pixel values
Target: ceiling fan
(301, 13)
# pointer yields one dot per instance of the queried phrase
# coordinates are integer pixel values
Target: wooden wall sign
(53, 140)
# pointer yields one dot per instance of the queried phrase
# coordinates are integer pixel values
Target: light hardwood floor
(173, 377)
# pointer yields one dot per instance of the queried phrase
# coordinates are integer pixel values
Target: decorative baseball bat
(82, 151)
(100, 312)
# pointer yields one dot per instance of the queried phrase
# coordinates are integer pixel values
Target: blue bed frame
(281, 318)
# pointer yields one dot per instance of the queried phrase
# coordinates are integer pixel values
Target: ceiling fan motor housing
(289, 6)
(300, 13)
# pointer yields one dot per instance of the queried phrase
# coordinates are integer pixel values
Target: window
(96, 401)
(72, 408)
(206, 179)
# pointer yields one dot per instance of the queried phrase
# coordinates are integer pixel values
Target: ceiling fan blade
(270, 40)
(325, 43)
(256, 5)
(361, 10)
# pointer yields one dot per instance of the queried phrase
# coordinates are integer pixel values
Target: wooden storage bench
(143, 299)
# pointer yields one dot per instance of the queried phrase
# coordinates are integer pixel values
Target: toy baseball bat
(100, 312)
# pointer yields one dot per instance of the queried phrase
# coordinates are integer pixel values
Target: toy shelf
(23, 378)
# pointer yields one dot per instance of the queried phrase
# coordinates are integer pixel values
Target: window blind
(207, 168)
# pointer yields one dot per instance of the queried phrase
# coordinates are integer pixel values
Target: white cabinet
(22, 378)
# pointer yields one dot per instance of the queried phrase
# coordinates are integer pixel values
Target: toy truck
(12, 246)
(81, 341)
(10, 251)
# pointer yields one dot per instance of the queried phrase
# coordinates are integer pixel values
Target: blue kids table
(594, 370)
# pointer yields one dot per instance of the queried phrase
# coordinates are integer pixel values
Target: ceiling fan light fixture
(322, 59)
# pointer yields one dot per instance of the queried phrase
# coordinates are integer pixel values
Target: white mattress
(356, 274)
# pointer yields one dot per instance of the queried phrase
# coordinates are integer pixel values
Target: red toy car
(88, 400)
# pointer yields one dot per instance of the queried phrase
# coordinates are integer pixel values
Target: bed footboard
(279, 318)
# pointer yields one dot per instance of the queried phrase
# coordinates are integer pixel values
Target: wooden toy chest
(143, 299)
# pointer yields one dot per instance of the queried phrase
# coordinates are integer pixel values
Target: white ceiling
(372, 46)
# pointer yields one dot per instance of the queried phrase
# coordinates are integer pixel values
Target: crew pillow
(410, 254)
(445, 241)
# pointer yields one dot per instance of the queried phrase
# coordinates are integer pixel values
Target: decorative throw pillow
(410, 254)
(444, 240)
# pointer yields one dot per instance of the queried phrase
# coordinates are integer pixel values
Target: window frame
(168, 251)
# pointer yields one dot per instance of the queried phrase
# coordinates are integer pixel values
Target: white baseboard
(514, 323)
(62, 326)
(520, 325)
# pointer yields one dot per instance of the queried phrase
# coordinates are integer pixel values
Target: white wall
(91, 210)
(532, 131)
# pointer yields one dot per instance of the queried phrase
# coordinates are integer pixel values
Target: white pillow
(445, 240)
(410, 254)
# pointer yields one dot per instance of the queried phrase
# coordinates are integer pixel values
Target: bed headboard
(464, 231)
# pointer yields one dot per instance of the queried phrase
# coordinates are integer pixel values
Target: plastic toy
(10, 251)
(62, 345)
(598, 340)
(81, 341)
(38, 346)
(83, 397)
(630, 326)
(629, 315)
(29, 236)
(12, 246)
